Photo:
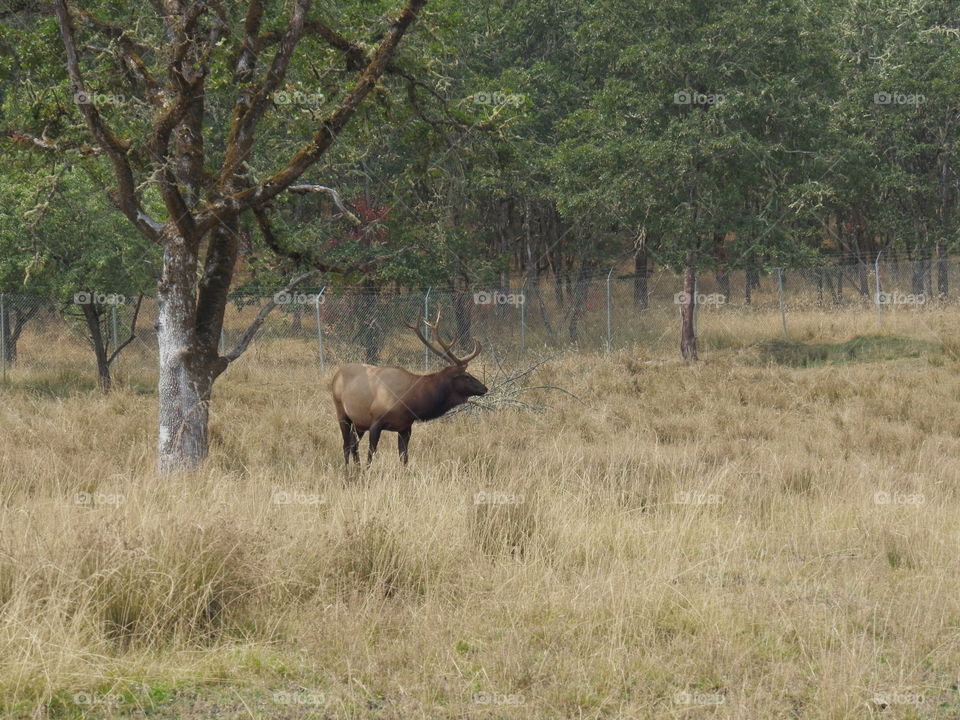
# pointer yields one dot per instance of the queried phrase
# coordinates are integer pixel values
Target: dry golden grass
(685, 541)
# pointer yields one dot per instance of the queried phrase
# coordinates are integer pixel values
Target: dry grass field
(773, 532)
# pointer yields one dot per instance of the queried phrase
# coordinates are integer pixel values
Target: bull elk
(372, 399)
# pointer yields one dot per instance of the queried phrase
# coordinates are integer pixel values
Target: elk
(369, 398)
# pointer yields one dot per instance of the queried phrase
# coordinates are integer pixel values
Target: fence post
(523, 317)
(3, 335)
(876, 281)
(320, 329)
(426, 314)
(783, 308)
(222, 347)
(113, 324)
(609, 326)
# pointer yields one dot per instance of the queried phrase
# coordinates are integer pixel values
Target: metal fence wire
(329, 326)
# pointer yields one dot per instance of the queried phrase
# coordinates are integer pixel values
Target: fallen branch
(505, 392)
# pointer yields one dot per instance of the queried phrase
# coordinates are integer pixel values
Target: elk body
(369, 398)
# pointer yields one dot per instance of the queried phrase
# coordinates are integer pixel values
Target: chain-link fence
(329, 326)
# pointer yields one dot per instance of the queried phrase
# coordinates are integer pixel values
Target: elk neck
(433, 394)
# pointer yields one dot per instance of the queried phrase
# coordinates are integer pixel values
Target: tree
(693, 129)
(183, 174)
(66, 247)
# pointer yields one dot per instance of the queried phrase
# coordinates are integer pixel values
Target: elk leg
(375, 431)
(346, 429)
(356, 444)
(403, 440)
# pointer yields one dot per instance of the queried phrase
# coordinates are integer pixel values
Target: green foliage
(540, 135)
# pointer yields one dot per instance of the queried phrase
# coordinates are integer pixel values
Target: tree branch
(337, 200)
(130, 50)
(249, 109)
(133, 332)
(251, 331)
(249, 47)
(263, 222)
(330, 127)
(128, 198)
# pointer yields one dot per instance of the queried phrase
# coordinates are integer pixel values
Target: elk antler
(419, 332)
(446, 353)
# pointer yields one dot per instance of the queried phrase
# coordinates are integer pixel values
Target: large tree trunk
(189, 332)
(185, 388)
(688, 335)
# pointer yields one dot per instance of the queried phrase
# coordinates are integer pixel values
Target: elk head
(462, 383)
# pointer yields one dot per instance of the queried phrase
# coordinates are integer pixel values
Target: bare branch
(337, 200)
(251, 331)
(133, 332)
(355, 55)
(32, 142)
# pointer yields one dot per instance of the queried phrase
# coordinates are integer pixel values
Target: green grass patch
(862, 348)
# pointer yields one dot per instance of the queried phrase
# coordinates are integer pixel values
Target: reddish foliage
(372, 232)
